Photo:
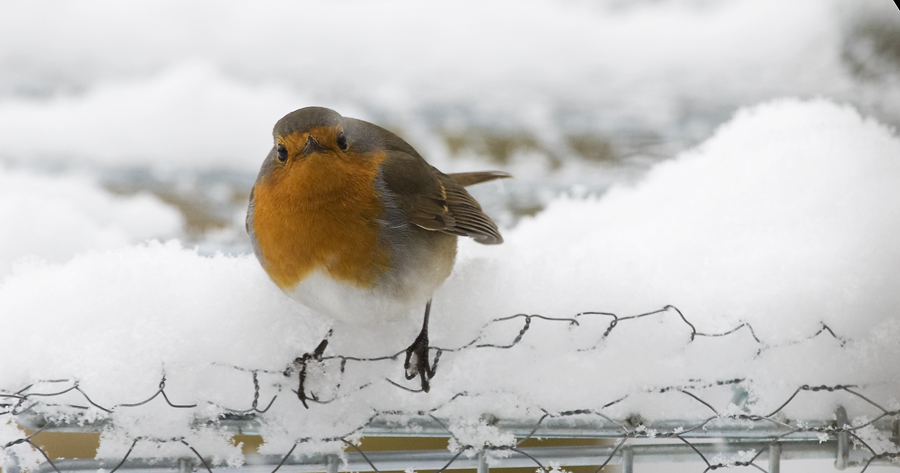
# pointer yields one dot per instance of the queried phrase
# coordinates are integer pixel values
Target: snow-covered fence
(483, 432)
(717, 442)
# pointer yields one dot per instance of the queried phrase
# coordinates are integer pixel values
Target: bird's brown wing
(467, 179)
(429, 198)
(437, 201)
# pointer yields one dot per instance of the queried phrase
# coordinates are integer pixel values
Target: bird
(350, 220)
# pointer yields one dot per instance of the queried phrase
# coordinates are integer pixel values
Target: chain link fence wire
(722, 439)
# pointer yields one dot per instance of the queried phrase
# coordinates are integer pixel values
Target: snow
(54, 217)
(765, 129)
(782, 220)
(184, 117)
(167, 84)
(787, 194)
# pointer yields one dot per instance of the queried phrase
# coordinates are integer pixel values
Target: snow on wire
(48, 405)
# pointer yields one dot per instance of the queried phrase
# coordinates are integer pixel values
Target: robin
(350, 220)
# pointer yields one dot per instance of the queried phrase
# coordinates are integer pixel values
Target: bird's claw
(420, 365)
(301, 363)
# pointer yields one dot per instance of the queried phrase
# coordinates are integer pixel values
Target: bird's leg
(419, 349)
(301, 362)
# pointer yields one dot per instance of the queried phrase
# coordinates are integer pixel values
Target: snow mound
(785, 216)
(188, 116)
(53, 218)
(783, 221)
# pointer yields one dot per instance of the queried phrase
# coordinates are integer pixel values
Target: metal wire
(755, 434)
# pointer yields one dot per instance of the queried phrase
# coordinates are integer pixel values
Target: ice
(783, 220)
(54, 217)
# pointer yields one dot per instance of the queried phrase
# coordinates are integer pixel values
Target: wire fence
(724, 438)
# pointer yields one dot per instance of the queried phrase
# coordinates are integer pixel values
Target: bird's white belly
(349, 303)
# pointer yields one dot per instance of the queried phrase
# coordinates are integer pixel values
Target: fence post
(332, 463)
(627, 460)
(775, 458)
(482, 463)
(185, 465)
(843, 439)
(895, 431)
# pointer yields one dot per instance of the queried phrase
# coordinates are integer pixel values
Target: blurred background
(125, 121)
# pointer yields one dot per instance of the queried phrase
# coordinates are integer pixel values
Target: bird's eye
(342, 141)
(282, 153)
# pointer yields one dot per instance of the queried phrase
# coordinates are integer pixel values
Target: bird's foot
(300, 364)
(416, 363)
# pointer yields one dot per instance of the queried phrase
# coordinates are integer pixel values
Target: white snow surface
(784, 220)
(53, 218)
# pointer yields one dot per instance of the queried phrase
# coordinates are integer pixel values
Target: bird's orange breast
(321, 212)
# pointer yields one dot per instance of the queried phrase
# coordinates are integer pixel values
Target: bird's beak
(312, 146)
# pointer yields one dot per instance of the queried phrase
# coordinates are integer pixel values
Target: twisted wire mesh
(28, 406)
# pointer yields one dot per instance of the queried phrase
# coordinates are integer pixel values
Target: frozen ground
(783, 220)
(656, 160)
